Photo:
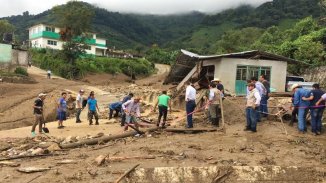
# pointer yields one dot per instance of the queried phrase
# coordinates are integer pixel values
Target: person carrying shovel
(132, 110)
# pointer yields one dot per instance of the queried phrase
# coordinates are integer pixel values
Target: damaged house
(232, 69)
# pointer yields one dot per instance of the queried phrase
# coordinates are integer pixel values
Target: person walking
(124, 100)
(49, 73)
(163, 102)
(262, 91)
(265, 96)
(302, 105)
(316, 111)
(92, 109)
(79, 105)
(38, 113)
(190, 103)
(214, 104)
(252, 107)
(62, 110)
(132, 110)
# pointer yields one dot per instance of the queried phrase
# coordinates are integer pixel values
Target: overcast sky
(16, 7)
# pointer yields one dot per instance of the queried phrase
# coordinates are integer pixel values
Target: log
(131, 157)
(190, 130)
(127, 173)
(28, 156)
(222, 114)
(103, 139)
(32, 169)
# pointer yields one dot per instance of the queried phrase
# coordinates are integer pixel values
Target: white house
(46, 36)
(232, 69)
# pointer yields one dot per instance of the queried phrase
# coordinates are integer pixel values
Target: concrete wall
(11, 58)
(225, 70)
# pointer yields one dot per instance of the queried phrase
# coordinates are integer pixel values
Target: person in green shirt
(163, 102)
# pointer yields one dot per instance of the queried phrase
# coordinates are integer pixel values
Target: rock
(112, 121)
(100, 160)
(99, 135)
(70, 139)
(53, 147)
(9, 163)
(38, 151)
(67, 161)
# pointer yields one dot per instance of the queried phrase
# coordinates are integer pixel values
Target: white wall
(225, 70)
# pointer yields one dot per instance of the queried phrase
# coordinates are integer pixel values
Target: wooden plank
(185, 79)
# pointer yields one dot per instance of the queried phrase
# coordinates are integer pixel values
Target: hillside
(193, 30)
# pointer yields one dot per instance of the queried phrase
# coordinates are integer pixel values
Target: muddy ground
(269, 147)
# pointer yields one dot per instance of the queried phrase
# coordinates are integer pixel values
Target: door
(245, 73)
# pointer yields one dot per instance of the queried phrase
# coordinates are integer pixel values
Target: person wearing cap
(190, 103)
(301, 104)
(62, 110)
(214, 103)
(79, 105)
(92, 109)
(38, 113)
(132, 110)
(316, 111)
(163, 102)
(252, 107)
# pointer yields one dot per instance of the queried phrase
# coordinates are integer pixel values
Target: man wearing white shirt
(262, 91)
(252, 105)
(190, 103)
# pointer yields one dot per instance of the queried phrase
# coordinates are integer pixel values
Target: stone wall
(317, 75)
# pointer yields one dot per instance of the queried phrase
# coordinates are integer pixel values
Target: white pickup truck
(291, 80)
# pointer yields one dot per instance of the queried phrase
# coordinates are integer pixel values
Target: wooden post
(222, 114)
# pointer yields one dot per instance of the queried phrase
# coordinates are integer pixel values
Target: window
(242, 73)
(50, 29)
(247, 72)
(50, 42)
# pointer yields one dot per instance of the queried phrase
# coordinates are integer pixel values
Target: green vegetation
(158, 55)
(21, 71)
(54, 60)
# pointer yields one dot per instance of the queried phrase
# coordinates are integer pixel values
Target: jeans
(163, 111)
(263, 106)
(316, 115)
(90, 117)
(302, 126)
(251, 115)
(294, 115)
(190, 107)
(78, 114)
(116, 113)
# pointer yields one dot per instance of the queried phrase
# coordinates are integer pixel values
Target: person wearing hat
(79, 105)
(132, 110)
(219, 85)
(214, 104)
(38, 113)
(124, 100)
(301, 104)
(252, 107)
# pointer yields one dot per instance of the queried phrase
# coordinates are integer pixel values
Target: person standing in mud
(79, 105)
(163, 102)
(38, 113)
(62, 110)
(252, 107)
(92, 109)
(124, 100)
(132, 110)
(190, 103)
(49, 73)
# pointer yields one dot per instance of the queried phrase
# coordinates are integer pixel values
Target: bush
(21, 71)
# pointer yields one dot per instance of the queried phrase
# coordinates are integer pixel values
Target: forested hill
(192, 30)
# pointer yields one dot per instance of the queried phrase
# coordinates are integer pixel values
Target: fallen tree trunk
(190, 130)
(103, 139)
(131, 157)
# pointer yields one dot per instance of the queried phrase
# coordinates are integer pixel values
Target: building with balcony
(47, 36)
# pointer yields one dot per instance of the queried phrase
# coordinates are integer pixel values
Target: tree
(5, 27)
(75, 19)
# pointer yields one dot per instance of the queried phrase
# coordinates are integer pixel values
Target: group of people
(305, 100)
(61, 110)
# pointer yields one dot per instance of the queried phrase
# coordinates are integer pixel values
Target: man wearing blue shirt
(92, 106)
(302, 105)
